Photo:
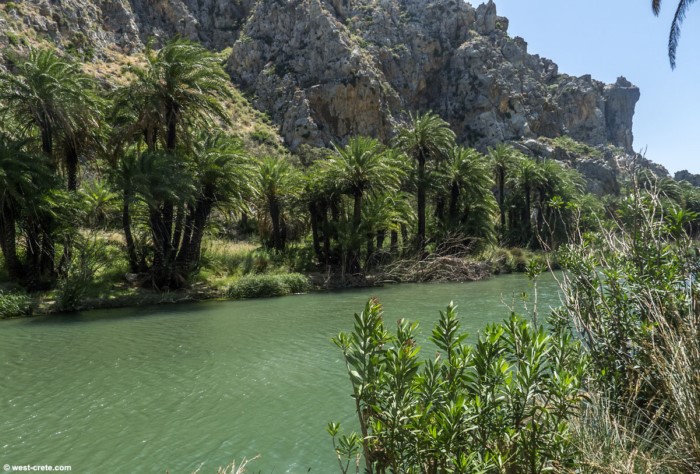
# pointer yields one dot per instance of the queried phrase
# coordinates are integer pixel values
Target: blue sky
(611, 38)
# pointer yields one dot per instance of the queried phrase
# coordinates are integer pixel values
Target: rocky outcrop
(353, 67)
(327, 69)
(685, 175)
(620, 99)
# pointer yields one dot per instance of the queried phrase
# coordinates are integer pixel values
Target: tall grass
(633, 294)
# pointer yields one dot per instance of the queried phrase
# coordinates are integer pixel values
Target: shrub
(502, 405)
(14, 305)
(12, 6)
(261, 286)
(86, 260)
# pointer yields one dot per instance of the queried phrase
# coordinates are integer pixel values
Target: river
(178, 387)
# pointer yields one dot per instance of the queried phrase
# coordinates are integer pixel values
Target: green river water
(178, 387)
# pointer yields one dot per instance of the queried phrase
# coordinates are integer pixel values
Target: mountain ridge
(324, 70)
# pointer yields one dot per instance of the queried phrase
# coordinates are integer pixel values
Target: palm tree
(21, 176)
(525, 179)
(159, 182)
(426, 139)
(675, 33)
(362, 167)
(503, 160)
(359, 169)
(556, 183)
(324, 197)
(382, 212)
(181, 85)
(222, 176)
(125, 178)
(471, 202)
(51, 95)
(276, 182)
(180, 88)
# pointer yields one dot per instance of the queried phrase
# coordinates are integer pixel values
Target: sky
(612, 38)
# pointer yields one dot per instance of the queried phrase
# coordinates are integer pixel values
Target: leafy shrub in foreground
(14, 305)
(260, 286)
(502, 405)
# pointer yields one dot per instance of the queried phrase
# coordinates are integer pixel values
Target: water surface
(179, 387)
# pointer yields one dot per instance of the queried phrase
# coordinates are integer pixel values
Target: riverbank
(242, 270)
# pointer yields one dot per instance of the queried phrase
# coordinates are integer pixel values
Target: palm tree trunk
(128, 237)
(335, 256)
(527, 220)
(440, 208)
(199, 222)
(177, 233)
(47, 258)
(167, 225)
(314, 217)
(381, 236)
(420, 241)
(159, 270)
(354, 252)
(171, 132)
(404, 236)
(394, 242)
(46, 138)
(183, 256)
(275, 214)
(357, 209)
(8, 244)
(33, 254)
(502, 199)
(72, 167)
(71, 157)
(454, 203)
(370, 250)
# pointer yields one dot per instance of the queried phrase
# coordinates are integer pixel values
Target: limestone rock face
(620, 99)
(354, 66)
(327, 69)
(310, 75)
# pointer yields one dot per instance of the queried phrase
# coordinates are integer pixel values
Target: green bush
(502, 405)
(88, 257)
(14, 305)
(261, 286)
(12, 6)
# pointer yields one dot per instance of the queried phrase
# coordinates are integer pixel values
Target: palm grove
(163, 143)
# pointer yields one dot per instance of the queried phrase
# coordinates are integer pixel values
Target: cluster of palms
(149, 133)
(426, 194)
(150, 144)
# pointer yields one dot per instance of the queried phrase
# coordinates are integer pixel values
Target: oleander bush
(500, 405)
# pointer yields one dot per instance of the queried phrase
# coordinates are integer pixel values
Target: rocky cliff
(326, 69)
